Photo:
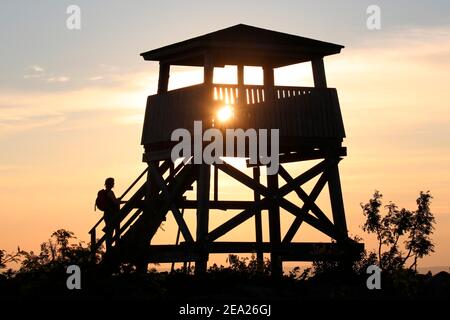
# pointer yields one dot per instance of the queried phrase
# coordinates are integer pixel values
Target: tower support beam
(274, 226)
(258, 222)
(203, 185)
(337, 203)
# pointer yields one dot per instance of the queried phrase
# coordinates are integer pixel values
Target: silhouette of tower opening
(310, 126)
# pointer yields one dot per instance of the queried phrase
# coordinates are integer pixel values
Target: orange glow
(58, 147)
(225, 113)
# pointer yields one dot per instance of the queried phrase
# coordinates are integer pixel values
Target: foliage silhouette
(416, 226)
(43, 274)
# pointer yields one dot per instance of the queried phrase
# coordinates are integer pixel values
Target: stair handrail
(134, 183)
(92, 232)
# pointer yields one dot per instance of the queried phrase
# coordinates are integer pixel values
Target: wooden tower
(310, 127)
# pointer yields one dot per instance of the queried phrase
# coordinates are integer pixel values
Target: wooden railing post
(242, 99)
(320, 80)
(269, 83)
(164, 73)
(208, 71)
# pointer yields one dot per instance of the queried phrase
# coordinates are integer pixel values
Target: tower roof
(243, 44)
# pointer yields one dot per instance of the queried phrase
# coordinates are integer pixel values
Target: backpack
(102, 201)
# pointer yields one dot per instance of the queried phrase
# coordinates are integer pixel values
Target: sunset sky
(72, 103)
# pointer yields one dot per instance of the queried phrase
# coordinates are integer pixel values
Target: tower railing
(299, 112)
(253, 94)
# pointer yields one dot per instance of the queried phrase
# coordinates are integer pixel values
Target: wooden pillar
(163, 82)
(242, 96)
(337, 203)
(203, 184)
(274, 227)
(320, 80)
(269, 83)
(258, 223)
(216, 183)
(208, 70)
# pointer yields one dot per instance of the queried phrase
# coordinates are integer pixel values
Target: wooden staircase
(141, 216)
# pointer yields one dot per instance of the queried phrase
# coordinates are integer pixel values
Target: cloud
(36, 72)
(388, 82)
(21, 111)
(134, 118)
(58, 79)
(395, 82)
(37, 68)
(18, 124)
(108, 68)
(39, 72)
(96, 78)
(31, 76)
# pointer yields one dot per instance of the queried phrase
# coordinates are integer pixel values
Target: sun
(225, 113)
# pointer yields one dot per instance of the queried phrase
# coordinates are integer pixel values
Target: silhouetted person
(111, 212)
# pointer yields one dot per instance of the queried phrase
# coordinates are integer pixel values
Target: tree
(56, 253)
(359, 266)
(416, 226)
(6, 258)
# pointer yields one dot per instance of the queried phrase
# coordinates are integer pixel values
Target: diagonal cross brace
(167, 197)
(305, 208)
(277, 196)
(308, 203)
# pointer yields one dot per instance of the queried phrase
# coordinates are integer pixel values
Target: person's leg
(117, 225)
(117, 231)
(108, 231)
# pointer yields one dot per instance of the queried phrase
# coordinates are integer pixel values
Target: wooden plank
(318, 69)
(308, 116)
(297, 117)
(146, 226)
(163, 81)
(321, 122)
(327, 117)
(315, 111)
(274, 225)
(258, 222)
(333, 124)
(337, 109)
(300, 251)
(208, 70)
(236, 220)
(284, 114)
(243, 178)
(308, 201)
(312, 155)
(203, 185)
(337, 202)
(321, 252)
(292, 119)
(219, 205)
(313, 221)
(302, 178)
(269, 82)
(216, 183)
(274, 196)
